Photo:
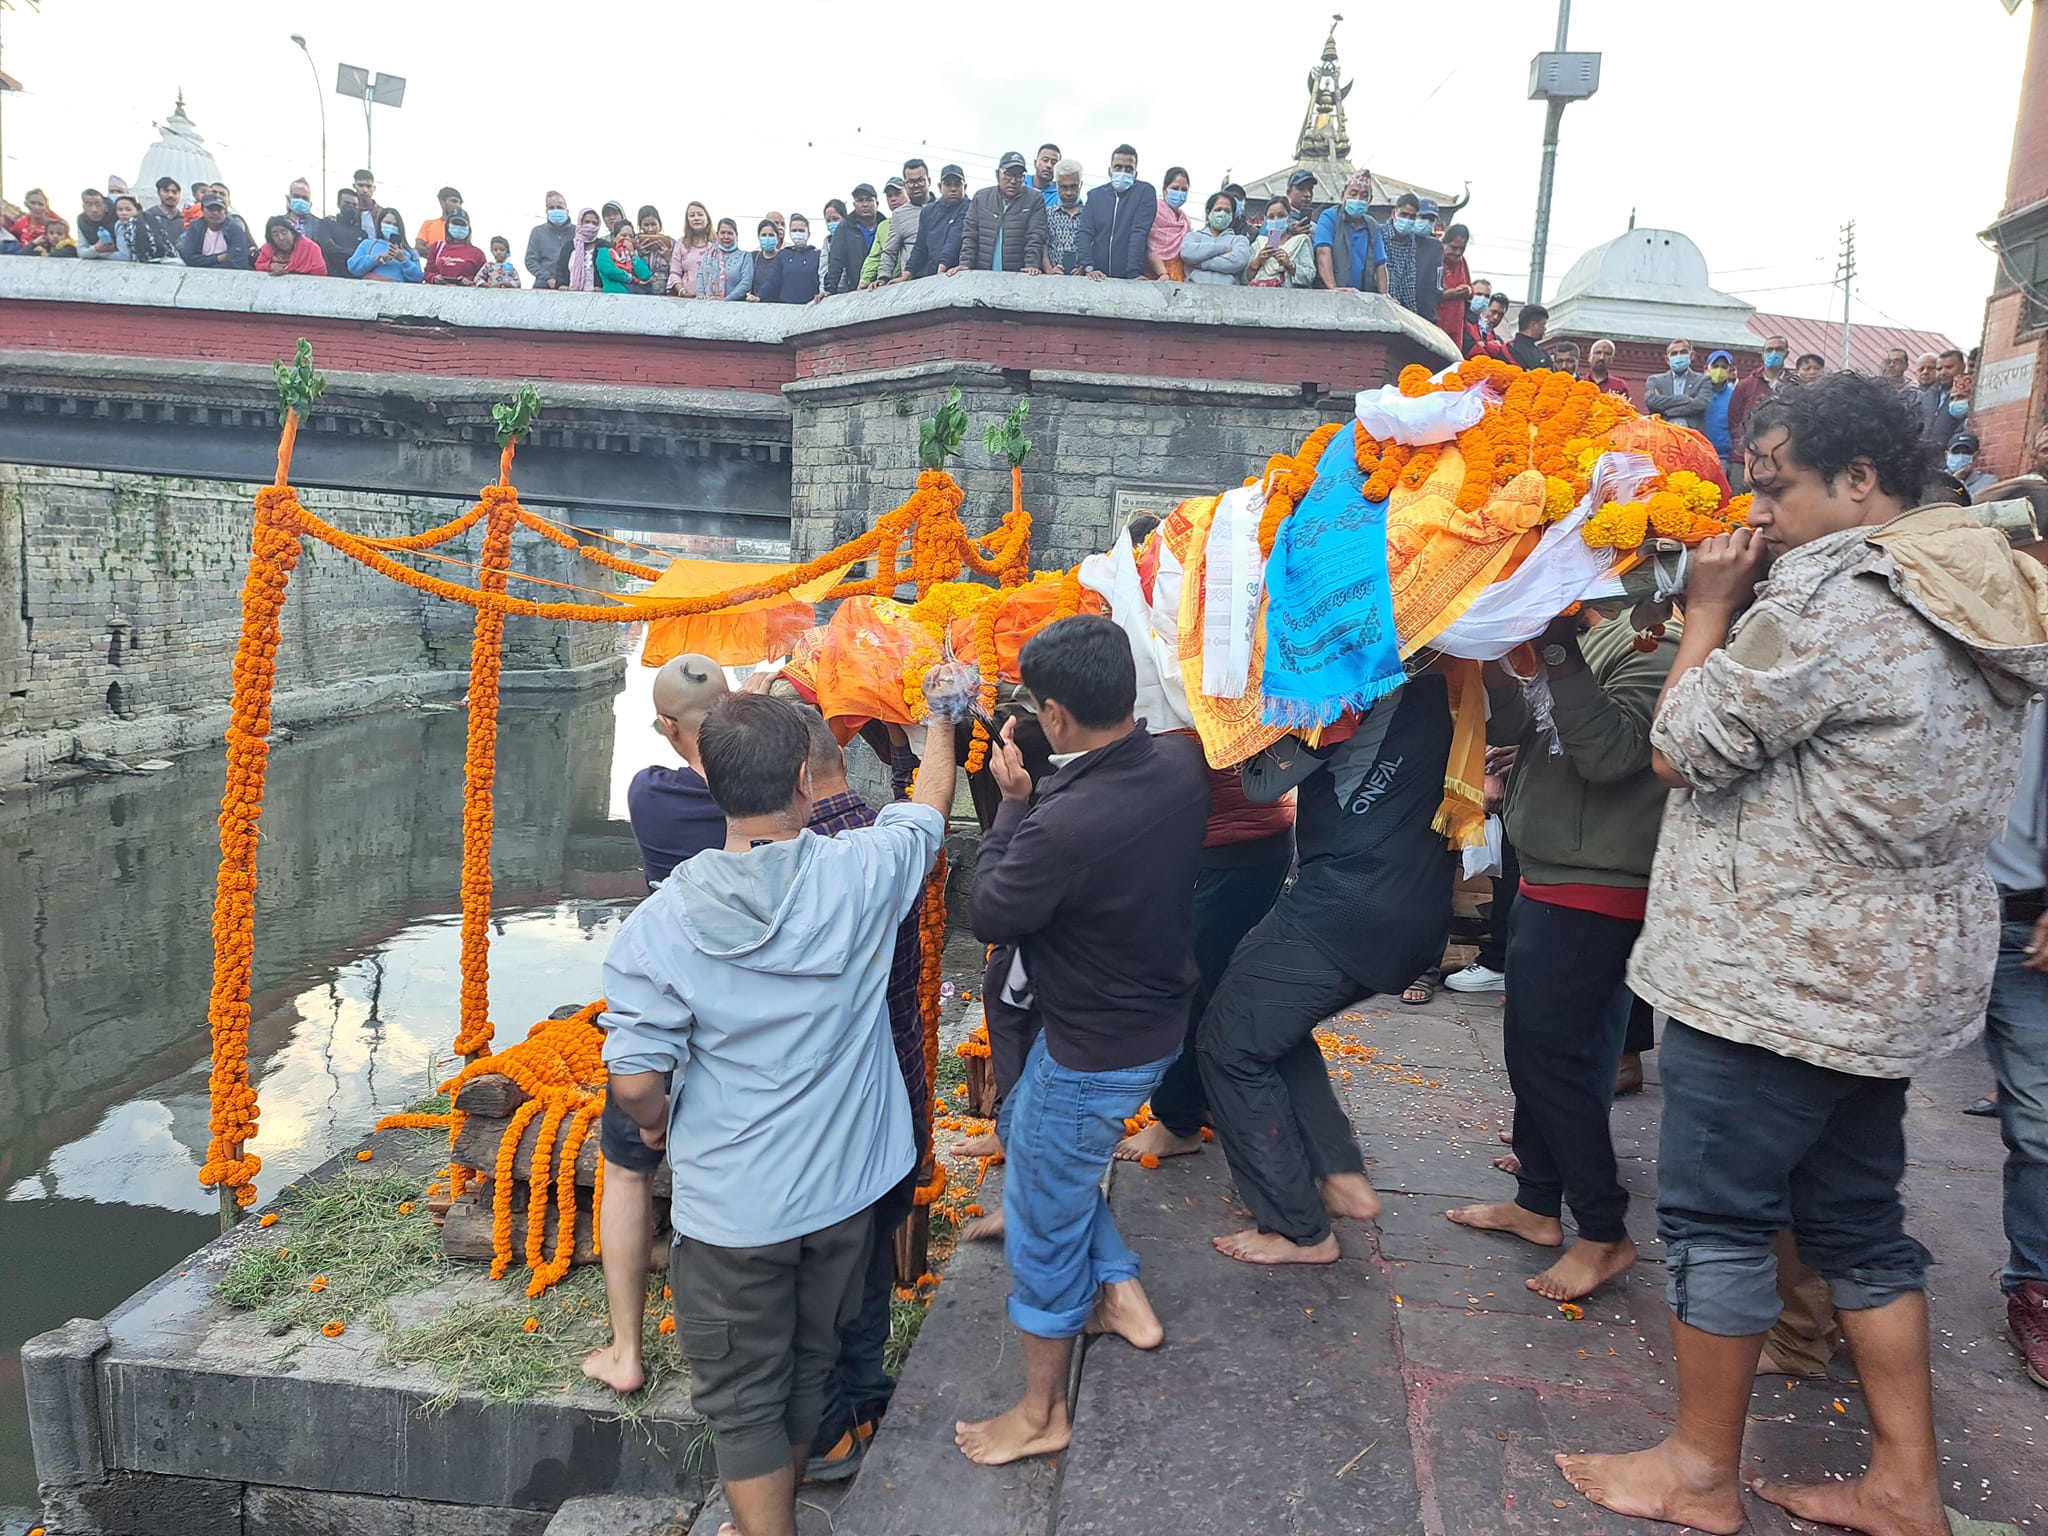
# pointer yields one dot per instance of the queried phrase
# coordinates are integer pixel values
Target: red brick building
(2012, 376)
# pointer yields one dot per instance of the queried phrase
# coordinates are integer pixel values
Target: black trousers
(1642, 1027)
(1269, 1088)
(1507, 887)
(1229, 899)
(1567, 1014)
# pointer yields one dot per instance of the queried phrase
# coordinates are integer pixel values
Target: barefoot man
(674, 818)
(1094, 886)
(1820, 927)
(1367, 913)
(757, 979)
(1584, 823)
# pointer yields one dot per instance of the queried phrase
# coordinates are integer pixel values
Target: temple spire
(1324, 138)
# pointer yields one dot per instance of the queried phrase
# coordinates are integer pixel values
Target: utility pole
(1557, 78)
(1845, 275)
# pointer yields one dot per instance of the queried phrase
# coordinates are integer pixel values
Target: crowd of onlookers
(1037, 219)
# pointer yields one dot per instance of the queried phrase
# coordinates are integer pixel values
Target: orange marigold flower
(405, 1207)
(1149, 1160)
(1571, 1309)
(335, 1329)
(317, 1284)
(666, 1325)
(972, 1211)
(363, 1156)
(531, 1325)
(269, 1219)
(667, 1294)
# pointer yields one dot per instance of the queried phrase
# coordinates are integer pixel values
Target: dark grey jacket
(1022, 225)
(1680, 398)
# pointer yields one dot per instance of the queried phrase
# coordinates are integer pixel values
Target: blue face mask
(727, 243)
(1774, 359)
(1275, 228)
(390, 231)
(300, 206)
(558, 215)
(458, 231)
(1123, 181)
(1959, 409)
(1354, 207)
(1478, 303)
(1175, 196)
(1410, 227)
(831, 228)
(1680, 363)
(768, 244)
(1958, 462)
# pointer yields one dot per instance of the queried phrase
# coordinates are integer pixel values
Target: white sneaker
(1476, 978)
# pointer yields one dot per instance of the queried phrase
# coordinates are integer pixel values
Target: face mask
(390, 231)
(831, 228)
(1219, 219)
(727, 243)
(1123, 181)
(1718, 374)
(1478, 303)
(458, 231)
(1275, 228)
(300, 206)
(558, 215)
(1959, 409)
(587, 231)
(1680, 363)
(1958, 462)
(1774, 359)
(1410, 227)
(1354, 207)
(1175, 196)
(768, 244)
(799, 238)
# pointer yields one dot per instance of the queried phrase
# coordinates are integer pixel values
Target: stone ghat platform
(1417, 1385)
(178, 1415)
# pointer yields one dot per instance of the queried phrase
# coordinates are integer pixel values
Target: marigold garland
(931, 939)
(1287, 480)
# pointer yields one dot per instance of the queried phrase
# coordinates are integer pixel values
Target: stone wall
(121, 606)
(1093, 436)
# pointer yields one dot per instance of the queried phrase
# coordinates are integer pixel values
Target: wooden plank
(466, 1234)
(491, 1094)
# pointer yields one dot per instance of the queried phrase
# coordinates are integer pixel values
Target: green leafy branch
(939, 437)
(516, 419)
(299, 385)
(1007, 439)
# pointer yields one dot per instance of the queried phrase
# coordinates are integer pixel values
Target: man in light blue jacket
(757, 975)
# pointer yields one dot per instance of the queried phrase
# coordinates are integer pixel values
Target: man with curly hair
(1844, 720)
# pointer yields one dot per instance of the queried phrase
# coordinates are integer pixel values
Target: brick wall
(395, 346)
(127, 600)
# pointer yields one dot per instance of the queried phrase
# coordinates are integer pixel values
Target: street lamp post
(321, 97)
(382, 91)
(1557, 79)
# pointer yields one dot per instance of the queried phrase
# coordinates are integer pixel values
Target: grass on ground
(339, 1247)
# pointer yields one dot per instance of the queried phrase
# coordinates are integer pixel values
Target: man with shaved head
(674, 819)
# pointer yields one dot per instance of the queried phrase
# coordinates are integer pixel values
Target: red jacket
(1751, 391)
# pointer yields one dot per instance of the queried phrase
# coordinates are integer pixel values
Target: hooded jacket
(1820, 891)
(760, 979)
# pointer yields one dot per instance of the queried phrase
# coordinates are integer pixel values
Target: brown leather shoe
(1628, 1078)
(2026, 1314)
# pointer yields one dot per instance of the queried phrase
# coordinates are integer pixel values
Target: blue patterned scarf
(1330, 643)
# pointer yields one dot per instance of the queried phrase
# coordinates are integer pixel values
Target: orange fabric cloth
(1441, 557)
(736, 636)
(1462, 816)
(858, 666)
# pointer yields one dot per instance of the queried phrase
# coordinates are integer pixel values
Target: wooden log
(491, 1094)
(913, 1246)
(466, 1234)
(981, 1087)
(477, 1147)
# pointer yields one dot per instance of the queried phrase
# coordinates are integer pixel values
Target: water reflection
(105, 967)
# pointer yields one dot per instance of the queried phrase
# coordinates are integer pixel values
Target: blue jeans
(1754, 1143)
(1059, 1129)
(2016, 1040)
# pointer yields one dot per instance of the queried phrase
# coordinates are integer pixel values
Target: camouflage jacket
(1820, 890)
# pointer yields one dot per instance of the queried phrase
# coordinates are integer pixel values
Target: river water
(106, 890)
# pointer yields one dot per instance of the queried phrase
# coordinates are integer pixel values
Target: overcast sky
(1757, 127)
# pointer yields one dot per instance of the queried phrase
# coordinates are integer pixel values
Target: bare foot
(1506, 1216)
(984, 1229)
(1272, 1248)
(1155, 1140)
(614, 1368)
(1861, 1505)
(1584, 1268)
(1661, 1483)
(1507, 1138)
(1012, 1437)
(987, 1144)
(1510, 1164)
(1350, 1194)
(1124, 1310)
(727, 1528)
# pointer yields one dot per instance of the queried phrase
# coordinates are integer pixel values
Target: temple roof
(1649, 285)
(180, 152)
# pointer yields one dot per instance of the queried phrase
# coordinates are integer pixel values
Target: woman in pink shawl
(285, 251)
(577, 254)
(1170, 226)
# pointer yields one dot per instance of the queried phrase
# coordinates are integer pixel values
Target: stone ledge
(1172, 391)
(829, 389)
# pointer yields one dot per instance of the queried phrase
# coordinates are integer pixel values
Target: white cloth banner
(1232, 581)
(1152, 631)
(1563, 569)
(1434, 418)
